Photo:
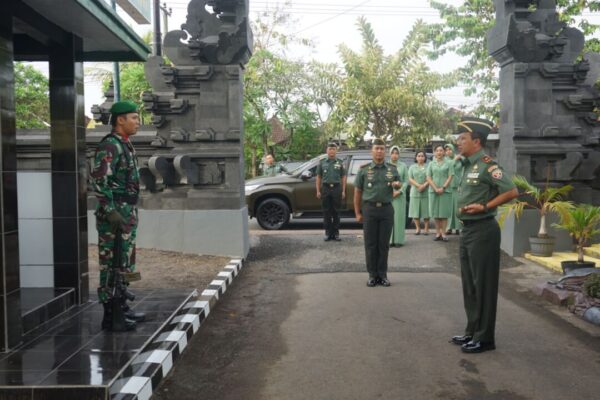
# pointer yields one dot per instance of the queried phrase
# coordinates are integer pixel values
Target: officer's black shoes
(372, 282)
(449, 232)
(108, 320)
(477, 347)
(327, 238)
(444, 239)
(460, 340)
(384, 282)
(337, 238)
(437, 238)
(135, 316)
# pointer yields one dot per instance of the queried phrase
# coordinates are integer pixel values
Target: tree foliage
(31, 97)
(389, 96)
(463, 31)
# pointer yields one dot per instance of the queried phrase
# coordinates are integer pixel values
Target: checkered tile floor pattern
(155, 361)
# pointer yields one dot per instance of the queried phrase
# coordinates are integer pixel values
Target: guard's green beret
(123, 107)
(472, 124)
(332, 144)
(378, 142)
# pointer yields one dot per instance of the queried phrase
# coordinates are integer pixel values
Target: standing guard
(115, 178)
(331, 190)
(373, 194)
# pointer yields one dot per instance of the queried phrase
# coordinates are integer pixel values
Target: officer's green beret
(332, 144)
(471, 124)
(123, 107)
(378, 142)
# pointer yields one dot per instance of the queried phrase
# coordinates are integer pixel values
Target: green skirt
(453, 221)
(440, 205)
(418, 207)
(399, 204)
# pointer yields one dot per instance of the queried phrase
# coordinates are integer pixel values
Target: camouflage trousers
(106, 247)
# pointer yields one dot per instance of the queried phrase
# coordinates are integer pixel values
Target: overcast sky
(328, 23)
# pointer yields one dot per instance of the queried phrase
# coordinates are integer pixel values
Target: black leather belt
(377, 203)
(467, 222)
(129, 199)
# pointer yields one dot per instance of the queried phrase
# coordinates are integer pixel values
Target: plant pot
(542, 247)
(568, 266)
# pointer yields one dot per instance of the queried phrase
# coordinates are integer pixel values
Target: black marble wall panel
(10, 310)
(69, 170)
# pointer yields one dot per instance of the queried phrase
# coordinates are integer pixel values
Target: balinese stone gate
(194, 182)
(548, 127)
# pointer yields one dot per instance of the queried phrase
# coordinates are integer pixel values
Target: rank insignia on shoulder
(486, 159)
(497, 173)
(365, 165)
(493, 167)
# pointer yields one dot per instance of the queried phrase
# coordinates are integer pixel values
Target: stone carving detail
(549, 129)
(196, 106)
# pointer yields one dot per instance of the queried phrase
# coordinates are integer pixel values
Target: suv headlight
(251, 188)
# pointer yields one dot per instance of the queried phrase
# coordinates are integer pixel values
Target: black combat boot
(107, 320)
(130, 314)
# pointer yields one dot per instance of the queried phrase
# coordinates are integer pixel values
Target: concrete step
(553, 262)
(593, 250)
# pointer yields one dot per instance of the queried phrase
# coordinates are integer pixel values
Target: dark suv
(271, 200)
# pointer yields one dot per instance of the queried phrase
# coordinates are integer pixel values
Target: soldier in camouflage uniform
(115, 179)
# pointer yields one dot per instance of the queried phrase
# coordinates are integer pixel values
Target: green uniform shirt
(375, 181)
(481, 181)
(403, 173)
(331, 170)
(273, 170)
(418, 174)
(439, 172)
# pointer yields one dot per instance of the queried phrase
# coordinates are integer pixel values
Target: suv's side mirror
(306, 175)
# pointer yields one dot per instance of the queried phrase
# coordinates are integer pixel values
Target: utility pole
(166, 14)
(116, 76)
(157, 36)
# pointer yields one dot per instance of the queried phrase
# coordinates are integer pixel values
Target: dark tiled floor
(75, 351)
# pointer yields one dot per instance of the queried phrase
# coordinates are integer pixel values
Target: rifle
(118, 286)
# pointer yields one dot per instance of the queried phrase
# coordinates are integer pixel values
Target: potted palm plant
(546, 200)
(582, 224)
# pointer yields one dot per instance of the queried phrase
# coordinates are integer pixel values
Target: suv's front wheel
(272, 214)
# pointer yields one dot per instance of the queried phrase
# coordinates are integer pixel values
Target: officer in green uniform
(271, 168)
(373, 194)
(331, 190)
(115, 179)
(483, 187)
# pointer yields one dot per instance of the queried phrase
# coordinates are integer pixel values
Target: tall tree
(463, 31)
(390, 96)
(31, 97)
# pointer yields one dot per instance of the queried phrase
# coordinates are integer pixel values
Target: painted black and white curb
(156, 359)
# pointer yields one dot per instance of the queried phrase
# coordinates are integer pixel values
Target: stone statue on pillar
(193, 183)
(549, 130)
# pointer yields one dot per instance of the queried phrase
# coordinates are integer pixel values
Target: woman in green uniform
(399, 202)
(418, 207)
(439, 176)
(453, 221)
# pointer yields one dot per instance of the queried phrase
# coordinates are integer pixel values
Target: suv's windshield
(301, 167)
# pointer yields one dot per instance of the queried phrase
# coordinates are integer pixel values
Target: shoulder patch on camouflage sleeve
(493, 167)
(486, 159)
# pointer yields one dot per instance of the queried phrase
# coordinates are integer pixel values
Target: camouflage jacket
(115, 176)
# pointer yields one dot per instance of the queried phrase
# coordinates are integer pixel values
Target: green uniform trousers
(377, 228)
(331, 202)
(480, 268)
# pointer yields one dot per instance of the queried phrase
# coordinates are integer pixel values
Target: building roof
(106, 37)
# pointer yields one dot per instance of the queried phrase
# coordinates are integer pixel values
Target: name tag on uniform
(473, 175)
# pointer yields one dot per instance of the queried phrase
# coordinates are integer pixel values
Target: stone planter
(568, 266)
(542, 247)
